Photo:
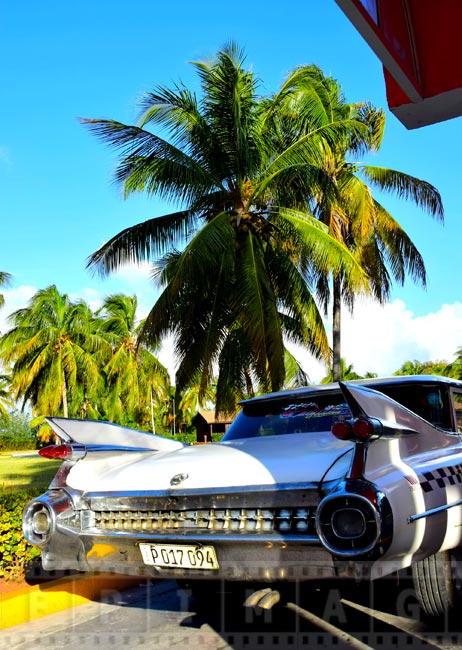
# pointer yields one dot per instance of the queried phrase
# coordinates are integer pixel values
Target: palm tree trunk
(153, 424)
(336, 327)
(64, 397)
(249, 385)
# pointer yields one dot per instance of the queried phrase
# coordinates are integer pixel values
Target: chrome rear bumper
(274, 541)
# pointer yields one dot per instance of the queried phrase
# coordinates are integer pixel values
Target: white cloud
(166, 356)
(381, 338)
(133, 274)
(14, 299)
(92, 297)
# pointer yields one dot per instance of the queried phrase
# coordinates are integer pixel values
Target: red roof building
(418, 44)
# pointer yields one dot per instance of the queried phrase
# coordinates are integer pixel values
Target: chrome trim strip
(433, 511)
(111, 448)
(277, 495)
(273, 487)
(204, 538)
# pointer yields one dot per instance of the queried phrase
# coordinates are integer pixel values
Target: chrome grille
(246, 520)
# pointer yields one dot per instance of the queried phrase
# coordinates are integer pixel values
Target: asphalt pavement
(152, 614)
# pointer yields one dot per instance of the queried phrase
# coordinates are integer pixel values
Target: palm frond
(400, 252)
(326, 253)
(407, 187)
(255, 306)
(235, 379)
(371, 139)
(301, 320)
(143, 241)
(359, 207)
(5, 278)
(295, 374)
(151, 164)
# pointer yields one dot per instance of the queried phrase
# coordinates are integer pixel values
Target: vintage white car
(356, 479)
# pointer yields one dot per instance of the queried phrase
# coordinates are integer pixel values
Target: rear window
(275, 418)
(457, 405)
(430, 401)
(318, 412)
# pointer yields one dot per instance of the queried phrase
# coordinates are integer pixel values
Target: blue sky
(65, 60)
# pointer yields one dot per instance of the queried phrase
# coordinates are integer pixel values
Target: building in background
(206, 424)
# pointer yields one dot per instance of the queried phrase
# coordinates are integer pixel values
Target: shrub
(188, 438)
(15, 552)
(16, 433)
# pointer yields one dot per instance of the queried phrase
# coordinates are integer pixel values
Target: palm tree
(354, 216)
(192, 399)
(5, 397)
(135, 380)
(410, 368)
(427, 368)
(52, 350)
(347, 373)
(295, 374)
(5, 279)
(454, 369)
(5, 390)
(234, 283)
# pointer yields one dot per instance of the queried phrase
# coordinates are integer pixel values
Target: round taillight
(59, 452)
(342, 430)
(364, 428)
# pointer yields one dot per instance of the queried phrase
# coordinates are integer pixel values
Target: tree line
(63, 358)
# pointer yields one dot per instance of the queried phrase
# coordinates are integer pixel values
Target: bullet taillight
(360, 429)
(63, 452)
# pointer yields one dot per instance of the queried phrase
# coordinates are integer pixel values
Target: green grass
(18, 473)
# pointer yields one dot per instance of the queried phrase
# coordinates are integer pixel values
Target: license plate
(178, 556)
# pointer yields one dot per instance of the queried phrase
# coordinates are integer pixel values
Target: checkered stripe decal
(441, 477)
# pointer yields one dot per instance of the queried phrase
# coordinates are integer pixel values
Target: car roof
(376, 382)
